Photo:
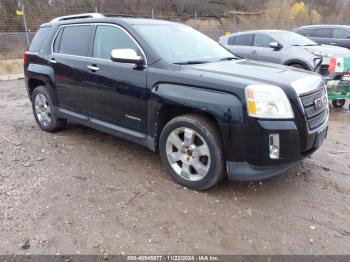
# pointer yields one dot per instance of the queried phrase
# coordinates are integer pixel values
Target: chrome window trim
(90, 57)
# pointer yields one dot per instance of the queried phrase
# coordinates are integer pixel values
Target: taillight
(25, 57)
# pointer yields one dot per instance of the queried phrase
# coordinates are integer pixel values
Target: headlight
(268, 101)
(318, 53)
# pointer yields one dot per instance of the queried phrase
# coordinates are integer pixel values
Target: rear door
(323, 36)
(241, 45)
(70, 49)
(262, 51)
(341, 37)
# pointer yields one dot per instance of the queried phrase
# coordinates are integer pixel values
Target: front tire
(299, 66)
(338, 103)
(44, 111)
(191, 151)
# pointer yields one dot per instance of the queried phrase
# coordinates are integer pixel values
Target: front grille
(315, 116)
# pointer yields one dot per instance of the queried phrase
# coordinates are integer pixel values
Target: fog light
(274, 146)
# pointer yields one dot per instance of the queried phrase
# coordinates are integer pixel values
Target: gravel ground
(80, 191)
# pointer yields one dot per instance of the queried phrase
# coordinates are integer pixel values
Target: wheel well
(34, 83)
(296, 62)
(167, 113)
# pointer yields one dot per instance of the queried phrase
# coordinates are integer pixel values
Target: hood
(250, 71)
(240, 73)
(333, 50)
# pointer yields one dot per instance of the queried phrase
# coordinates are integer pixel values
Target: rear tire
(338, 103)
(191, 151)
(44, 111)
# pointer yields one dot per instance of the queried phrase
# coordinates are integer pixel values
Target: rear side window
(324, 33)
(245, 40)
(341, 34)
(40, 39)
(75, 40)
(262, 40)
(108, 38)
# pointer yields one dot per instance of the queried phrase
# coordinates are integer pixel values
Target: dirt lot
(84, 192)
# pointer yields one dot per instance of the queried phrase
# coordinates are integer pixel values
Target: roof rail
(122, 15)
(77, 16)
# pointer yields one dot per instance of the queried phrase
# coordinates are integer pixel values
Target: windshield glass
(291, 38)
(182, 44)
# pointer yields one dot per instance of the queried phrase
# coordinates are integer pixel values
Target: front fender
(224, 107)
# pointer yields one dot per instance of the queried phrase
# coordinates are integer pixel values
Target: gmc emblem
(321, 102)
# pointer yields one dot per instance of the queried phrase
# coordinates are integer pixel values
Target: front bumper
(294, 146)
(243, 171)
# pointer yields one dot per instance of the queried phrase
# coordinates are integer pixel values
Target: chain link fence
(13, 41)
(13, 44)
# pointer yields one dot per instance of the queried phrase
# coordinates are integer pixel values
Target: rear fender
(45, 74)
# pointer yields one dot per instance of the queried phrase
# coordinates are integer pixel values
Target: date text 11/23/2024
(173, 258)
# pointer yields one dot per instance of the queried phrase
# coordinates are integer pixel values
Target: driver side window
(108, 38)
(262, 40)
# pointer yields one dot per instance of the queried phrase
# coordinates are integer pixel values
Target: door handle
(332, 43)
(93, 68)
(53, 61)
(254, 52)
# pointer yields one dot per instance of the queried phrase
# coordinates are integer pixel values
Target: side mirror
(126, 56)
(275, 45)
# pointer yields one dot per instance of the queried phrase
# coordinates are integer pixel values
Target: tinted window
(243, 40)
(341, 34)
(307, 32)
(56, 44)
(40, 39)
(231, 40)
(324, 33)
(75, 40)
(262, 40)
(108, 38)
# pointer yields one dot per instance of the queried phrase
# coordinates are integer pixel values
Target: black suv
(170, 88)
(337, 35)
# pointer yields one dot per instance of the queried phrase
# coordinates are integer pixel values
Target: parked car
(336, 35)
(282, 47)
(207, 113)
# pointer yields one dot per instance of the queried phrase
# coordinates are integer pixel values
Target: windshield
(293, 39)
(181, 44)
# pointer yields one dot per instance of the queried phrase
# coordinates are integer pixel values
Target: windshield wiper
(193, 62)
(228, 58)
(306, 45)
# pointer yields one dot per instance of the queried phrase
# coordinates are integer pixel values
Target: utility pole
(234, 23)
(21, 5)
(195, 19)
(152, 13)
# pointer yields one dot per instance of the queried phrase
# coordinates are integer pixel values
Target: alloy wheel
(188, 154)
(42, 110)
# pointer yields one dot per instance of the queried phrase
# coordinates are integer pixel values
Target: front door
(262, 51)
(116, 92)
